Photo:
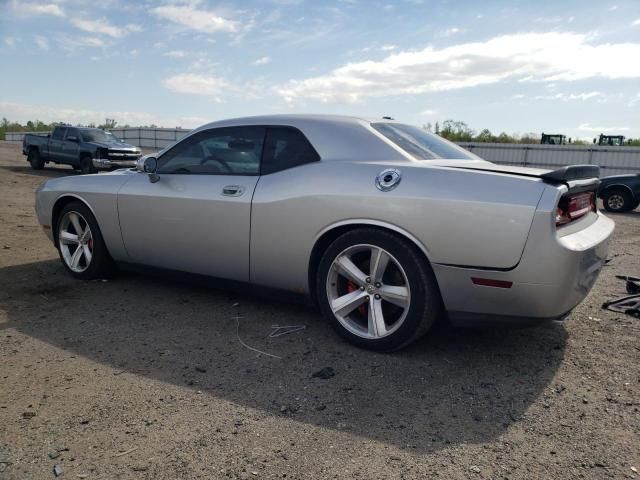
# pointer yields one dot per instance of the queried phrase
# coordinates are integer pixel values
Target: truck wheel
(617, 200)
(37, 163)
(376, 290)
(86, 165)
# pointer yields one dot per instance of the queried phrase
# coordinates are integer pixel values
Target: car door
(197, 216)
(55, 144)
(70, 152)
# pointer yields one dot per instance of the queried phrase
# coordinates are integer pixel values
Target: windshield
(99, 136)
(421, 144)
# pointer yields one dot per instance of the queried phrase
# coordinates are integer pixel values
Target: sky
(570, 67)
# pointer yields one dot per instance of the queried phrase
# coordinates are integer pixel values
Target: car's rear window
(421, 144)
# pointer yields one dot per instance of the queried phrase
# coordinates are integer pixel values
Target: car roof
(335, 137)
(293, 119)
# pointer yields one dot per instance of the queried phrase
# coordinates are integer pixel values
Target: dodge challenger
(385, 225)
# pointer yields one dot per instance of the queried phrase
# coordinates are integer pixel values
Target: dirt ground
(145, 378)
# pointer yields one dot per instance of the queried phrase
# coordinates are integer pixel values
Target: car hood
(115, 146)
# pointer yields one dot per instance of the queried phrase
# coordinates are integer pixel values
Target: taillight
(572, 207)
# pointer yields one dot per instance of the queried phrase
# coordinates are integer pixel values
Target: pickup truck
(620, 193)
(85, 149)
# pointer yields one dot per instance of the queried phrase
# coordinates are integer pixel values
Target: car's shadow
(453, 387)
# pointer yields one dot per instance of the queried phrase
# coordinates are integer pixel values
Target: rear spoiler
(571, 173)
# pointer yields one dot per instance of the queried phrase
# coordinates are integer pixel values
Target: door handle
(233, 190)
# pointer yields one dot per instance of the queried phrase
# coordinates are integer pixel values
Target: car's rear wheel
(86, 165)
(377, 290)
(80, 243)
(617, 200)
(34, 158)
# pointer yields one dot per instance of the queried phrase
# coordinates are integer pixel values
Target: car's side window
(286, 147)
(58, 133)
(222, 151)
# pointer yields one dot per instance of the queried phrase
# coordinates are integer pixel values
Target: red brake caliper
(352, 287)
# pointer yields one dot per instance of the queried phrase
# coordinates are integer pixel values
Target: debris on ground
(632, 283)
(29, 414)
(324, 373)
(629, 305)
(126, 452)
(57, 470)
(237, 319)
(279, 330)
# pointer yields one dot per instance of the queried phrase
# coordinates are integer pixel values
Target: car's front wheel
(86, 165)
(377, 290)
(80, 243)
(617, 200)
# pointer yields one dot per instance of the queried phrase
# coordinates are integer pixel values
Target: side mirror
(72, 138)
(148, 165)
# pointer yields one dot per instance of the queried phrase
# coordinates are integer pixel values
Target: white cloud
(23, 112)
(550, 57)
(42, 43)
(429, 113)
(450, 31)
(200, 20)
(570, 96)
(99, 26)
(197, 84)
(175, 53)
(586, 127)
(36, 8)
(636, 22)
(262, 61)
(86, 42)
(135, 28)
(193, 121)
(9, 41)
(613, 8)
(388, 48)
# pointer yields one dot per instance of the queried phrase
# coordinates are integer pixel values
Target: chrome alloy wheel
(368, 291)
(615, 201)
(75, 241)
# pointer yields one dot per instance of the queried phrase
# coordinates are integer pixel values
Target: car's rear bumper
(105, 163)
(554, 275)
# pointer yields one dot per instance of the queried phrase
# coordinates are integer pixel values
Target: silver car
(386, 226)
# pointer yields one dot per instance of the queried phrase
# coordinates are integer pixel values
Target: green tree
(108, 123)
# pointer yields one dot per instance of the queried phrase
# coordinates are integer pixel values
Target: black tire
(425, 304)
(101, 264)
(86, 165)
(617, 200)
(34, 158)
